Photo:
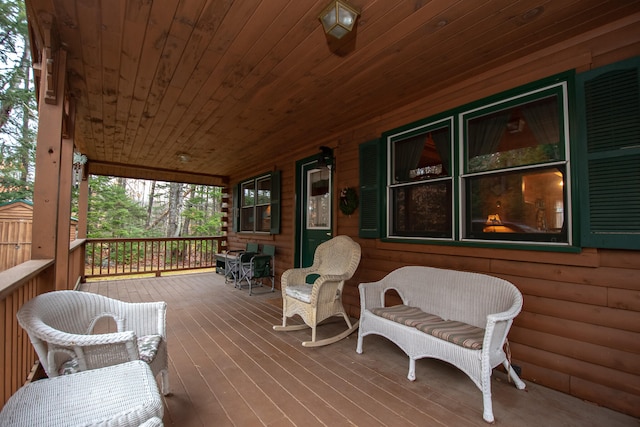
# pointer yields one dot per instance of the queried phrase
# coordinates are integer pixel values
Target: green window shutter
(371, 184)
(275, 202)
(608, 108)
(235, 212)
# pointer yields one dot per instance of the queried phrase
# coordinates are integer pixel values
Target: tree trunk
(192, 201)
(26, 142)
(152, 194)
(175, 208)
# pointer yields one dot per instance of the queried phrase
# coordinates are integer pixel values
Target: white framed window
(493, 171)
(255, 205)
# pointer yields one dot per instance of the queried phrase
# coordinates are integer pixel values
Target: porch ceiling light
(338, 18)
(184, 157)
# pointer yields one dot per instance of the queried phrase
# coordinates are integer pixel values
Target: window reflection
(524, 202)
(526, 134)
(319, 199)
(422, 210)
(423, 156)
(255, 209)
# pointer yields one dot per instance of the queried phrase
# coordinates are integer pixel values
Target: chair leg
(346, 319)
(164, 379)
(514, 376)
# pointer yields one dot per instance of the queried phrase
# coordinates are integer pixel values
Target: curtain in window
(485, 133)
(441, 140)
(542, 119)
(407, 156)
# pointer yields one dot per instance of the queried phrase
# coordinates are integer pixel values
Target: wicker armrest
(371, 295)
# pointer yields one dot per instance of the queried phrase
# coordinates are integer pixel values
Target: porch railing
(17, 286)
(93, 257)
(118, 257)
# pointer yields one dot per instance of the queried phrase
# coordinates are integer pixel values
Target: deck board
(229, 368)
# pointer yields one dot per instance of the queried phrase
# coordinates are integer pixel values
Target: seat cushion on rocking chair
(300, 292)
(147, 349)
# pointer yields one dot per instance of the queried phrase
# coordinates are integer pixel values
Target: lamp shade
(338, 18)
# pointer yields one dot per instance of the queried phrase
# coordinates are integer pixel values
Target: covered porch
(223, 93)
(228, 367)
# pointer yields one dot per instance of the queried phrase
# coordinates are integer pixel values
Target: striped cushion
(407, 315)
(456, 332)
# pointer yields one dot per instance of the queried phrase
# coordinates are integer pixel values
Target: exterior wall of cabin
(579, 331)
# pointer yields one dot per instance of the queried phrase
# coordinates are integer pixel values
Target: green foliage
(17, 104)
(111, 212)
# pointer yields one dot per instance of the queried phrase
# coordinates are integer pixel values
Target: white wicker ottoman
(119, 395)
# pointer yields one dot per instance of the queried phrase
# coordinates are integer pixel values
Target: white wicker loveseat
(460, 317)
(61, 327)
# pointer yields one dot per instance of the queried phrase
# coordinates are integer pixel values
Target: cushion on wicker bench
(449, 330)
(147, 349)
(459, 333)
(407, 315)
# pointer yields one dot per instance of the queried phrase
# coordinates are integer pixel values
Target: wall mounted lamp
(338, 18)
(326, 159)
(79, 162)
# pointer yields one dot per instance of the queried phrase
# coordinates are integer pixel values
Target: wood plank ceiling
(231, 83)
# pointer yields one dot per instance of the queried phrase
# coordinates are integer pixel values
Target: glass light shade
(493, 219)
(338, 18)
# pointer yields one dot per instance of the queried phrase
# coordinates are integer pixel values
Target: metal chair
(233, 260)
(334, 261)
(254, 268)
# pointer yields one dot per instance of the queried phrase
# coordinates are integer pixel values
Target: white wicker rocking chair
(61, 326)
(315, 293)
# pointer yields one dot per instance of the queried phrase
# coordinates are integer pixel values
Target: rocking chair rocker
(315, 293)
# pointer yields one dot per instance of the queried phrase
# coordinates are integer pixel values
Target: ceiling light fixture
(338, 18)
(184, 157)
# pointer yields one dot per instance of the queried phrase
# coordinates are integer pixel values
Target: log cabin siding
(579, 331)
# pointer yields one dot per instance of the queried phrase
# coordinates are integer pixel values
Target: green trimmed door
(314, 196)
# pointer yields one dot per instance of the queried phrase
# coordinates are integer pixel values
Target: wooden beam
(83, 207)
(141, 172)
(48, 152)
(64, 215)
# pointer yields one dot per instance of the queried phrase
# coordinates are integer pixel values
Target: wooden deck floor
(229, 368)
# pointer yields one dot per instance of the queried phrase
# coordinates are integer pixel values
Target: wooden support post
(83, 206)
(64, 216)
(48, 158)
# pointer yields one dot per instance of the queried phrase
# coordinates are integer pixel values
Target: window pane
(264, 191)
(264, 218)
(423, 156)
(523, 205)
(318, 199)
(422, 210)
(248, 193)
(246, 219)
(524, 134)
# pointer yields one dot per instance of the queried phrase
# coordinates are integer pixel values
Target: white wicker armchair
(61, 327)
(334, 261)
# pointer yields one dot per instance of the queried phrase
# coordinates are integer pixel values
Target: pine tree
(17, 104)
